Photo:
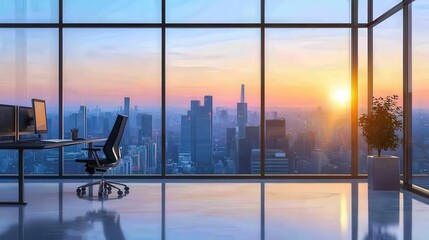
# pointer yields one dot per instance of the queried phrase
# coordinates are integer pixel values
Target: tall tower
(242, 93)
(82, 122)
(242, 114)
(127, 136)
(127, 106)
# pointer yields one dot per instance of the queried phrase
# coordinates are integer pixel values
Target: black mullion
(180, 25)
(370, 54)
(354, 89)
(262, 124)
(60, 87)
(407, 94)
(163, 89)
(29, 25)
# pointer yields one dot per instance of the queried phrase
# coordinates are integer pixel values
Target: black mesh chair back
(111, 147)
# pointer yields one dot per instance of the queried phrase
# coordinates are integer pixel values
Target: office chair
(112, 159)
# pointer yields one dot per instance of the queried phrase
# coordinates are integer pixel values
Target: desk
(34, 145)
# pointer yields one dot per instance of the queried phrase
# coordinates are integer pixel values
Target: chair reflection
(72, 229)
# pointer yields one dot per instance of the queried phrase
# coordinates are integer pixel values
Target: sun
(340, 96)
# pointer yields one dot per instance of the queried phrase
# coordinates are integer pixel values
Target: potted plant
(379, 129)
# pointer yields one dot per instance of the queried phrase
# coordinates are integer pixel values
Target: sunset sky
(304, 67)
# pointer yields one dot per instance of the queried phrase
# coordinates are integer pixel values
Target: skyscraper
(79, 121)
(126, 138)
(127, 106)
(277, 147)
(276, 134)
(242, 114)
(245, 146)
(185, 134)
(145, 132)
(197, 133)
(230, 141)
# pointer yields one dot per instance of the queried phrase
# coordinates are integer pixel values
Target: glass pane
(29, 69)
(363, 11)
(388, 67)
(308, 11)
(213, 100)
(112, 11)
(382, 6)
(362, 95)
(307, 101)
(420, 131)
(209, 11)
(109, 72)
(28, 11)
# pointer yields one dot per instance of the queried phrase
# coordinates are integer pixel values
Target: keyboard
(57, 140)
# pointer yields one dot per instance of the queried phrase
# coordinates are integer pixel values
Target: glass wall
(388, 64)
(29, 69)
(109, 72)
(307, 101)
(213, 81)
(420, 120)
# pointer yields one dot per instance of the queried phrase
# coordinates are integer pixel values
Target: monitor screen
(40, 119)
(26, 120)
(7, 120)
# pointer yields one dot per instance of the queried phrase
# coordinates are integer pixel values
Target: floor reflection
(210, 210)
(383, 212)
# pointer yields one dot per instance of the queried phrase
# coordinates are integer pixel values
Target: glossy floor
(215, 210)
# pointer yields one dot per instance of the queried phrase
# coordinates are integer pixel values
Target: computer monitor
(7, 120)
(26, 120)
(40, 119)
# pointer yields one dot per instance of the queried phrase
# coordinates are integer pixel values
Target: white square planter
(383, 173)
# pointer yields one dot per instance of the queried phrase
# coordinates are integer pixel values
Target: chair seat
(93, 163)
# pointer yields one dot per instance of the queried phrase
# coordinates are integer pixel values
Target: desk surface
(46, 145)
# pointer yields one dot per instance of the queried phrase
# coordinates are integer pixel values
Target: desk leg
(20, 181)
(89, 152)
(21, 177)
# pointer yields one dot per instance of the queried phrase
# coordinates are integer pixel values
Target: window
(210, 11)
(112, 11)
(213, 100)
(28, 11)
(29, 69)
(307, 101)
(109, 72)
(308, 11)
